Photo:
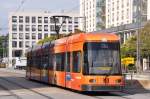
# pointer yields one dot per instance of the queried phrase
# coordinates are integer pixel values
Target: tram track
(17, 79)
(111, 95)
(48, 97)
(116, 97)
(21, 86)
(9, 91)
(122, 96)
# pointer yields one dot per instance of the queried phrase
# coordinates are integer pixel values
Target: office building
(27, 28)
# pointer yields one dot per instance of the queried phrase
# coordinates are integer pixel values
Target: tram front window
(102, 58)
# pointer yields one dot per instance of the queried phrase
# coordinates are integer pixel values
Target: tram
(83, 62)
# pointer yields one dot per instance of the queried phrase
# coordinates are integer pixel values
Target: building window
(128, 22)
(70, 28)
(40, 36)
(52, 28)
(33, 27)
(39, 27)
(14, 35)
(27, 27)
(112, 9)
(45, 27)
(27, 44)
(14, 27)
(64, 28)
(33, 43)
(76, 61)
(117, 7)
(45, 35)
(33, 36)
(45, 19)
(76, 20)
(127, 3)
(64, 20)
(27, 36)
(57, 20)
(52, 20)
(39, 19)
(27, 19)
(69, 20)
(122, 17)
(20, 19)
(20, 35)
(122, 5)
(33, 19)
(21, 27)
(14, 43)
(117, 18)
(76, 26)
(14, 18)
(20, 44)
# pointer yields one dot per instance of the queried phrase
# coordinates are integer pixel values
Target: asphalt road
(14, 85)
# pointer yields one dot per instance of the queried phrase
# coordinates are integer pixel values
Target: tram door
(68, 69)
(44, 68)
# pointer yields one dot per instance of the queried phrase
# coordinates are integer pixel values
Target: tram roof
(78, 38)
(87, 37)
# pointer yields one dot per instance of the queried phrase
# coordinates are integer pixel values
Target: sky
(7, 6)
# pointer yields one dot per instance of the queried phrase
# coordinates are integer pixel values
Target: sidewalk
(141, 80)
(13, 70)
(137, 76)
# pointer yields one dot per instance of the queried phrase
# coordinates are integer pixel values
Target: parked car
(20, 63)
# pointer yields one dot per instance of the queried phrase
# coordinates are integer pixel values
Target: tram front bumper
(101, 88)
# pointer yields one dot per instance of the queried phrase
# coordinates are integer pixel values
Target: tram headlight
(92, 81)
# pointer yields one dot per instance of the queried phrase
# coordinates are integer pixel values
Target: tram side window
(39, 61)
(43, 59)
(76, 61)
(60, 62)
(45, 62)
(34, 61)
(51, 56)
(68, 62)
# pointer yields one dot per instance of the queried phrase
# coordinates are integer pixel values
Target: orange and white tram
(83, 62)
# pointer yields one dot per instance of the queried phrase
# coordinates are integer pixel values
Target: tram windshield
(102, 58)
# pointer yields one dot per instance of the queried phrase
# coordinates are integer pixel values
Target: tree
(3, 44)
(145, 40)
(47, 39)
(129, 48)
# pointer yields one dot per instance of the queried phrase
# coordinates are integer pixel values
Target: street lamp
(138, 56)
